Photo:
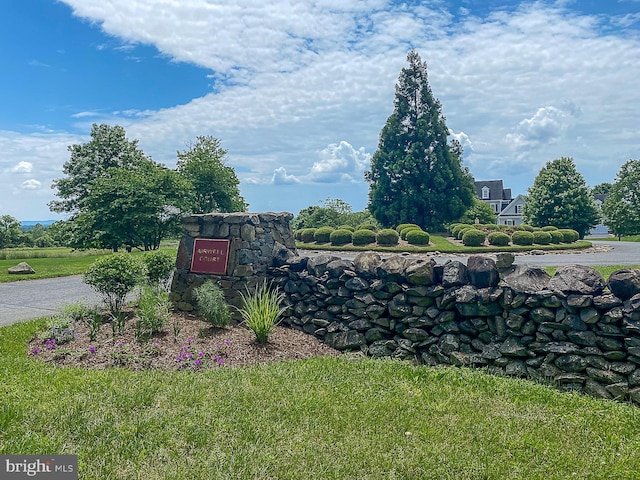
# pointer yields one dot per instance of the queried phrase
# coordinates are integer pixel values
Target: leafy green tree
(108, 148)
(621, 208)
(135, 207)
(601, 189)
(416, 176)
(560, 197)
(214, 184)
(10, 234)
(331, 213)
(481, 211)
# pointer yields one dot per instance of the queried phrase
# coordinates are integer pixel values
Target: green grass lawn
(318, 419)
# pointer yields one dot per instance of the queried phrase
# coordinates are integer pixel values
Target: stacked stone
(574, 330)
(257, 241)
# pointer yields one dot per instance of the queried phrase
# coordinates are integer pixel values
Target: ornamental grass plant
(261, 310)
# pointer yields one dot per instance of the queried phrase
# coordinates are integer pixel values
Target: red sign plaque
(210, 256)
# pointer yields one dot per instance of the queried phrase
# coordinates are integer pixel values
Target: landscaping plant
(212, 304)
(153, 312)
(261, 310)
(160, 265)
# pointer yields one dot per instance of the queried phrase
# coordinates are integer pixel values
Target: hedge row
(475, 235)
(364, 235)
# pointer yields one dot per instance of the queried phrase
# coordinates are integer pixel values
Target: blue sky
(298, 92)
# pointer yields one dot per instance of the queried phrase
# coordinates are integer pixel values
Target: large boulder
(421, 272)
(524, 279)
(454, 273)
(624, 283)
(21, 269)
(367, 263)
(482, 271)
(577, 279)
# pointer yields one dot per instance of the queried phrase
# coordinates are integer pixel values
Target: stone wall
(257, 241)
(573, 329)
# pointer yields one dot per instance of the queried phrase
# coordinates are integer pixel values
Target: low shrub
(212, 305)
(405, 231)
(549, 228)
(298, 234)
(456, 229)
(556, 236)
(522, 237)
(363, 237)
(307, 235)
(115, 276)
(153, 312)
(569, 235)
(492, 227)
(417, 237)
(367, 226)
(160, 265)
(499, 239)
(341, 237)
(346, 227)
(524, 227)
(261, 310)
(387, 237)
(402, 226)
(541, 237)
(473, 237)
(322, 234)
(462, 231)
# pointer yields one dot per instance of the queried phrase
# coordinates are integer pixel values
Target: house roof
(496, 190)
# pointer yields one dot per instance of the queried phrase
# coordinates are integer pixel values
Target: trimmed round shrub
(524, 227)
(451, 226)
(307, 235)
(499, 239)
(363, 236)
(402, 226)
(462, 231)
(549, 228)
(323, 234)
(367, 226)
(541, 237)
(522, 237)
(341, 237)
(160, 265)
(456, 229)
(492, 227)
(569, 235)
(473, 237)
(417, 237)
(346, 227)
(556, 236)
(405, 231)
(387, 237)
(298, 234)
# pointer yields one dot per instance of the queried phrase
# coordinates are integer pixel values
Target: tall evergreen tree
(416, 176)
(560, 197)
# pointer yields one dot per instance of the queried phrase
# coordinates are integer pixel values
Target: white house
(509, 210)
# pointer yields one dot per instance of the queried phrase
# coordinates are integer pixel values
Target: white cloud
(546, 126)
(281, 177)
(340, 163)
(31, 184)
(22, 167)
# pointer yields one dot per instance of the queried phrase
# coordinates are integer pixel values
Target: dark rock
(589, 315)
(523, 279)
(454, 273)
(349, 340)
(318, 265)
(367, 263)
(421, 272)
(571, 363)
(482, 271)
(577, 279)
(415, 334)
(588, 339)
(618, 390)
(393, 269)
(624, 283)
(512, 347)
(337, 267)
(23, 268)
(604, 376)
(516, 369)
(357, 284)
(504, 261)
(594, 389)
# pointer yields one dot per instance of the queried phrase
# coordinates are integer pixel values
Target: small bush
(524, 228)
(556, 236)
(405, 231)
(522, 237)
(473, 238)
(463, 230)
(417, 237)
(307, 235)
(387, 237)
(322, 234)
(160, 265)
(499, 239)
(59, 329)
(451, 226)
(549, 228)
(456, 229)
(261, 311)
(363, 237)
(367, 226)
(115, 276)
(492, 227)
(341, 237)
(402, 226)
(541, 237)
(569, 235)
(212, 304)
(346, 227)
(153, 312)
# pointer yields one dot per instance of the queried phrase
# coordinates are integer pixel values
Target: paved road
(24, 300)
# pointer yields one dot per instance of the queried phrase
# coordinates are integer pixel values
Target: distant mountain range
(28, 224)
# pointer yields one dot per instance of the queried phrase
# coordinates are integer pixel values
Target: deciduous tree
(621, 208)
(416, 176)
(560, 197)
(9, 231)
